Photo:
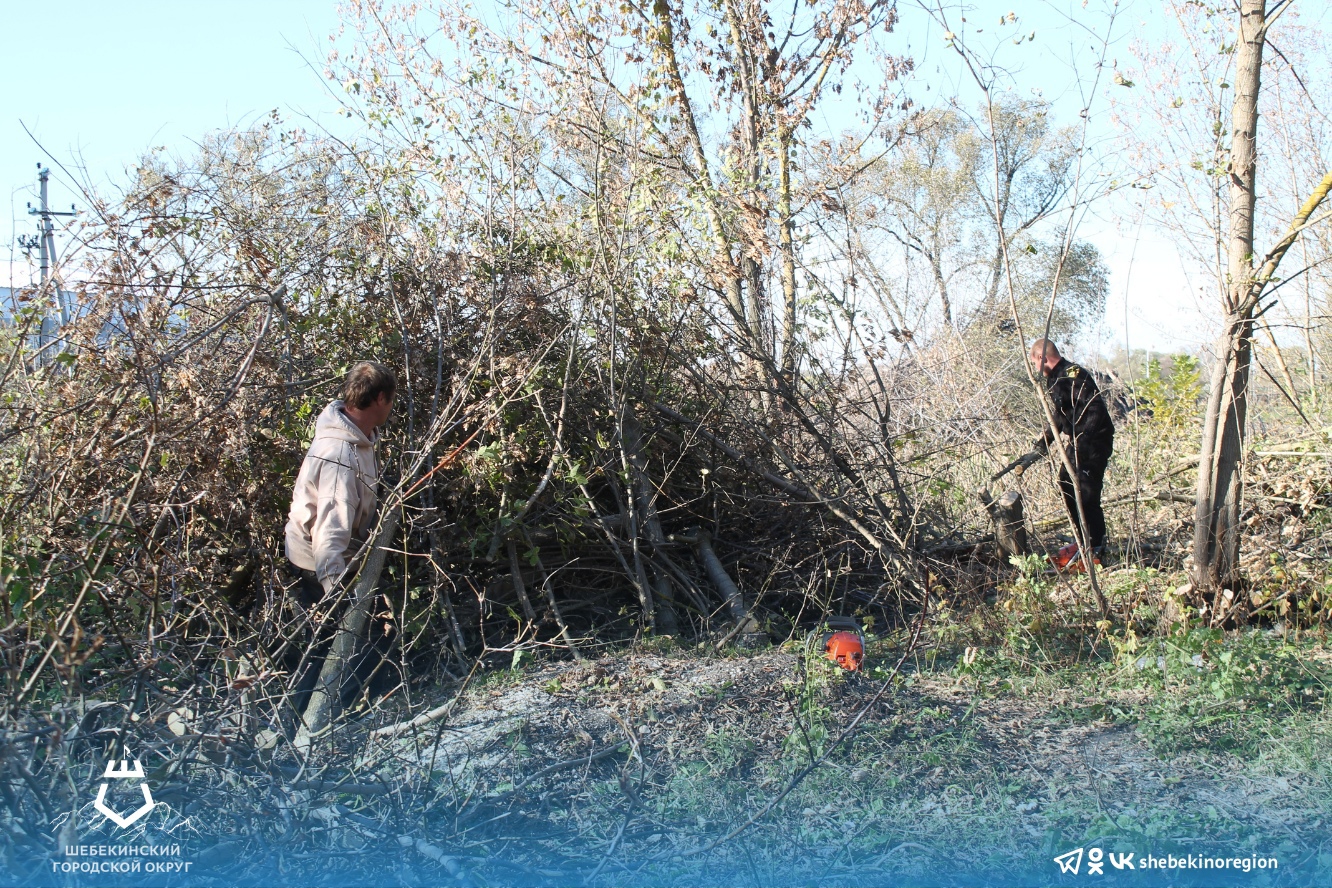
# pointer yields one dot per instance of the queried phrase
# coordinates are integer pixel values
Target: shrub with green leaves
(1215, 691)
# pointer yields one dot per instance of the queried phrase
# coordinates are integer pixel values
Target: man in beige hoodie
(333, 503)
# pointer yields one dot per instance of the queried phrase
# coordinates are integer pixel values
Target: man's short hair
(1046, 347)
(365, 382)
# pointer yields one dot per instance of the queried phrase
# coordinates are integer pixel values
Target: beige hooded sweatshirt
(333, 503)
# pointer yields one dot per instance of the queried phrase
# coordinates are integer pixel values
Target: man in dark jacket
(1083, 426)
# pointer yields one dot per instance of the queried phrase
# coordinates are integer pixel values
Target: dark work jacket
(1079, 410)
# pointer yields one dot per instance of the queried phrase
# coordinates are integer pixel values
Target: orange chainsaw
(844, 643)
(1068, 560)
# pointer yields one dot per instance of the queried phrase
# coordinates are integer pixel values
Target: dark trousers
(306, 589)
(1090, 461)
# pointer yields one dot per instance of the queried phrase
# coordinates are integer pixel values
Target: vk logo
(124, 772)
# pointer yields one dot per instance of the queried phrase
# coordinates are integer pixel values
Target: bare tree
(1216, 539)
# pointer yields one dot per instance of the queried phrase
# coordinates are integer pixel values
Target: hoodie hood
(335, 424)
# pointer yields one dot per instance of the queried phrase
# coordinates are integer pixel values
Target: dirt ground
(651, 758)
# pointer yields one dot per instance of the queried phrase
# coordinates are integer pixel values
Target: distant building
(12, 299)
(7, 297)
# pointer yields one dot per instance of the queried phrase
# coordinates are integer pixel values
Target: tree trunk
(326, 698)
(1220, 479)
(437, 562)
(519, 587)
(786, 245)
(644, 493)
(735, 602)
(1220, 475)
(934, 255)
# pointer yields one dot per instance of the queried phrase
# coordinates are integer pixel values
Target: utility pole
(45, 243)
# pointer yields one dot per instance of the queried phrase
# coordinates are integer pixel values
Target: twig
(426, 718)
(629, 794)
(447, 460)
(568, 763)
(879, 861)
(544, 772)
(335, 786)
(437, 854)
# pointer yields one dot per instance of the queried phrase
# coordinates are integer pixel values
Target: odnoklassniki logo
(124, 772)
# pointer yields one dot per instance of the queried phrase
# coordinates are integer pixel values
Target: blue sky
(100, 83)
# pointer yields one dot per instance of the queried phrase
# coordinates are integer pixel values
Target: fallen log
(701, 540)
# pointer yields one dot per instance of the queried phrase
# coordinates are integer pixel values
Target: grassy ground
(1009, 736)
(1017, 729)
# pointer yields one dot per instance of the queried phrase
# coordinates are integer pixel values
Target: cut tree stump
(1010, 526)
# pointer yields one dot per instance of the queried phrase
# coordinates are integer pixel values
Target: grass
(1016, 732)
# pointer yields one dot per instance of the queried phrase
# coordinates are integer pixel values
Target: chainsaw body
(844, 643)
(1067, 560)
